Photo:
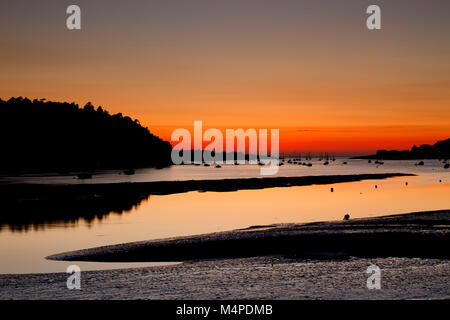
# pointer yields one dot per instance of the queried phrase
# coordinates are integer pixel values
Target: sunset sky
(310, 68)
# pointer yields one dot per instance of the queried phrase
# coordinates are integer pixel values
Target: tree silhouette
(41, 135)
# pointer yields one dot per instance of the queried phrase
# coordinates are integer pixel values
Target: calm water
(22, 250)
(191, 172)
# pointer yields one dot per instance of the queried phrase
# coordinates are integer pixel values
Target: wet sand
(247, 278)
(314, 272)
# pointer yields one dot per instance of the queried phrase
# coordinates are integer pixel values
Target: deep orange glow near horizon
(309, 68)
(338, 140)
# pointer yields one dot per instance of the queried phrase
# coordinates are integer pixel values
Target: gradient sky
(310, 68)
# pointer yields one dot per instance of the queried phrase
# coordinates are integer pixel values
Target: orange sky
(310, 69)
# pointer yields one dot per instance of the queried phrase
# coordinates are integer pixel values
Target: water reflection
(90, 208)
(64, 225)
(26, 214)
(67, 209)
(28, 206)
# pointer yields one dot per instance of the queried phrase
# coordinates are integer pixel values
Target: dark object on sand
(346, 217)
(345, 162)
(325, 163)
(376, 187)
(129, 172)
(85, 175)
(406, 183)
(218, 166)
(332, 189)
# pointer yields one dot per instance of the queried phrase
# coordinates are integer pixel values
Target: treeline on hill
(439, 150)
(44, 136)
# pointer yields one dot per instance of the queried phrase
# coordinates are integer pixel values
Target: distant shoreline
(393, 156)
(420, 234)
(438, 151)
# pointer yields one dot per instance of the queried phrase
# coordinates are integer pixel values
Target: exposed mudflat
(323, 266)
(421, 234)
(248, 278)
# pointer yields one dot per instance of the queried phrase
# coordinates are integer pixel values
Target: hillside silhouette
(44, 136)
(439, 150)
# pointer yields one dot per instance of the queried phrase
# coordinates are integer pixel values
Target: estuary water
(23, 248)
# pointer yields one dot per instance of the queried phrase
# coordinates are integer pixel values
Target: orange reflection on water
(195, 213)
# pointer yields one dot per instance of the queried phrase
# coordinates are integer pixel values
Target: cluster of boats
(296, 161)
